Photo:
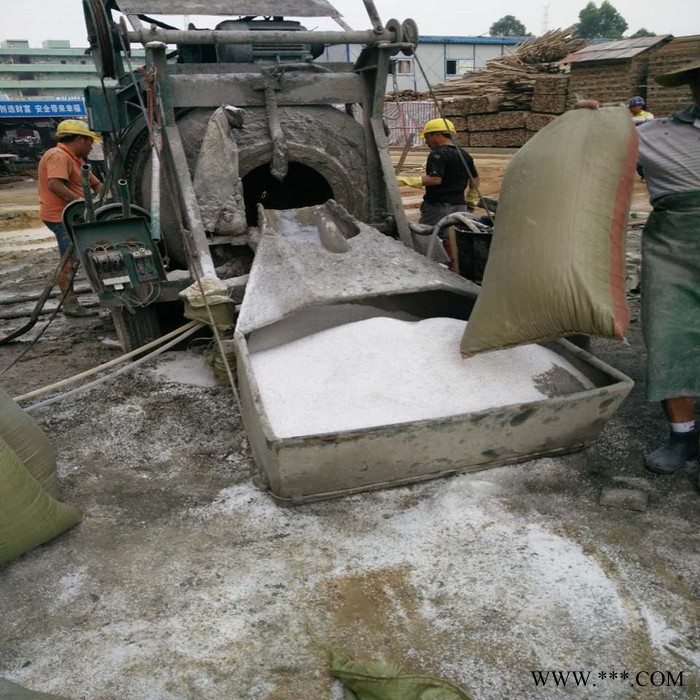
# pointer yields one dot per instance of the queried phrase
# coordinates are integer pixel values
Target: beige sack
(556, 265)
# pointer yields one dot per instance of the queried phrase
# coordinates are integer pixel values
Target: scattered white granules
(382, 371)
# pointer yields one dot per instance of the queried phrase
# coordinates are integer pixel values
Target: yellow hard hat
(440, 125)
(75, 126)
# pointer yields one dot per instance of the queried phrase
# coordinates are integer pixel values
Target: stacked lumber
(551, 94)
(402, 96)
(608, 81)
(493, 106)
(663, 101)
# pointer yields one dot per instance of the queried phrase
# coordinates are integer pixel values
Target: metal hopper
(318, 267)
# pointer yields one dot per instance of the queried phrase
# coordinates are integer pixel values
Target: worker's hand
(473, 199)
(410, 180)
(587, 104)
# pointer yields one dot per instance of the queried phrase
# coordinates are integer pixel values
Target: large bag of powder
(556, 265)
(28, 515)
(29, 442)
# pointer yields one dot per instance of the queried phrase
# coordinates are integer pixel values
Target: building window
(402, 66)
(63, 61)
(458, 66)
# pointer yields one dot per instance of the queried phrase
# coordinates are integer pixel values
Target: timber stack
(504, 104)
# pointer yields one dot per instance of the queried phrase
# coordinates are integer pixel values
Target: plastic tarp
(556, 265)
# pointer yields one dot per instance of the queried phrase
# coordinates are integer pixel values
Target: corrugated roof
(616, 50)
(503, 40)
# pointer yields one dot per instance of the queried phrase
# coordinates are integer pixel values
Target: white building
(442, 57)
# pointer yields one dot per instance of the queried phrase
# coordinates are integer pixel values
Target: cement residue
(185, 581)
(561, 382)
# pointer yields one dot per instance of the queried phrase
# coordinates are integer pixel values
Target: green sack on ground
(30, 443)
(28, 515)
(12, 691)
(367, 680)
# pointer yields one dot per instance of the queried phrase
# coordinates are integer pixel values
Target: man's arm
(95, 184)
(59, 188)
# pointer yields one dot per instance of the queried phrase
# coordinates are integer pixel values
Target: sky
(38, 20)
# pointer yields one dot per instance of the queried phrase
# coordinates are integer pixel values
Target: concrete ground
(185, 581)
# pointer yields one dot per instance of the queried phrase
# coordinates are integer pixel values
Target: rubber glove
(410, 180)
(472, 199)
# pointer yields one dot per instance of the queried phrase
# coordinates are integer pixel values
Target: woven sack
(29, 442)
(28, 515)
(556, 264)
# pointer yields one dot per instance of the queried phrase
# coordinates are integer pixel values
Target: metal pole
(156, 59)
(87, 192)
(156, 149)
(200, 36)
(123, 186)
(373, 14)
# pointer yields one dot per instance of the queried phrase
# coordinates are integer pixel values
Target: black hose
(42, 300)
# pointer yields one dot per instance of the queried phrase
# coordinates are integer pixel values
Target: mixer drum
(327, 157)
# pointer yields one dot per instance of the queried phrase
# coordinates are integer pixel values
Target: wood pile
(402, 96)
(663, 101)
(608, 81)
(493, 106)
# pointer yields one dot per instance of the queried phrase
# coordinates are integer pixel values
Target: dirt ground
(185, 581)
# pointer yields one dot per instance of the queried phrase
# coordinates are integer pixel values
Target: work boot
(680, 449)
(73, 308)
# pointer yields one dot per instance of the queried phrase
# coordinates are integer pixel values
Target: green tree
(603, 22)
(508, 26)
(641, 32)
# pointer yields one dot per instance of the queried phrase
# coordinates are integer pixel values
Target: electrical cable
(105, 365)
(116, 373)
(40, 302)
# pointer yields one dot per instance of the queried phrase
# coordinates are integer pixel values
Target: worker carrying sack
(556, 265)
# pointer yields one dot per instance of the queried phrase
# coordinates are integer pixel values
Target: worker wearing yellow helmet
(60, 184)
(446, 177)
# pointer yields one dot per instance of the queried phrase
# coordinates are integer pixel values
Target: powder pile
(382, 371)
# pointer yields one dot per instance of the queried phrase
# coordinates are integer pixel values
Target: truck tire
(136, 329)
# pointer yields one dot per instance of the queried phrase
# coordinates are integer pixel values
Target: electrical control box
(121, 260)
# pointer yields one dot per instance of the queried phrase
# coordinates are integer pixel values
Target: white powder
(185, 368)
(382, 371)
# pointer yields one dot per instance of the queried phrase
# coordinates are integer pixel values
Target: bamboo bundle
(514, 75)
